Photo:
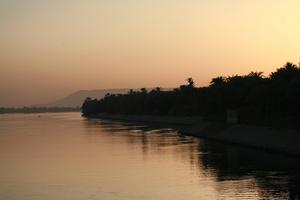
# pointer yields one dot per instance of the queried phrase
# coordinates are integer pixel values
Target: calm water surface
(63, 156)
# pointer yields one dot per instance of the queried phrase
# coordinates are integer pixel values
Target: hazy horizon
(49, 49)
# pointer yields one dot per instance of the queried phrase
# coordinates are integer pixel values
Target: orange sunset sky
(50, 48)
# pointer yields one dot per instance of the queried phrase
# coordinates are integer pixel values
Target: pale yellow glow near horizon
(49, 49)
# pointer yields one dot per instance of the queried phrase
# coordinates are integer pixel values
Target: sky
(51, 48)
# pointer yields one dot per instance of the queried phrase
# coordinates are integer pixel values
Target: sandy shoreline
(268, 138)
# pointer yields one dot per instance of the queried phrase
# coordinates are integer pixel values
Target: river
(64, 156)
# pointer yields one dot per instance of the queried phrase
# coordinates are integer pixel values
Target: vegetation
(274, 99)
(38, 109)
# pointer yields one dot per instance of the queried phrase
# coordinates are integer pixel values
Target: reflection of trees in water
(235, 168)
(149, 138)
(276, 175)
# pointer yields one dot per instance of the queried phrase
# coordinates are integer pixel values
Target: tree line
(259, 99)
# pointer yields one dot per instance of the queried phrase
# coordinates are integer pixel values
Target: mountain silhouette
(77, 98)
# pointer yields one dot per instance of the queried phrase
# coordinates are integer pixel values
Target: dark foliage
(257, 99)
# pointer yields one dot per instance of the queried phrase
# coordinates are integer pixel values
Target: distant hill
(76, 99)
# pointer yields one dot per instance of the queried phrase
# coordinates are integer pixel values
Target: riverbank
(274, 139)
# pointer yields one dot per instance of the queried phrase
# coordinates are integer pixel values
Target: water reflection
(149, 138)
(64, 156)
(239, 172)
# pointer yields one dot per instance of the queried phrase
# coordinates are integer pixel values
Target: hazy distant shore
(38, 109)
(274, 139)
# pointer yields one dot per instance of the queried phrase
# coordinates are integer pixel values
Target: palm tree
(286, 73)
(143, 90)
(218, 81)
(191, 82)
(256, 74)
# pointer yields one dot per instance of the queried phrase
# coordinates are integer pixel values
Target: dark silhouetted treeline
(257, 99)
(38, 109)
